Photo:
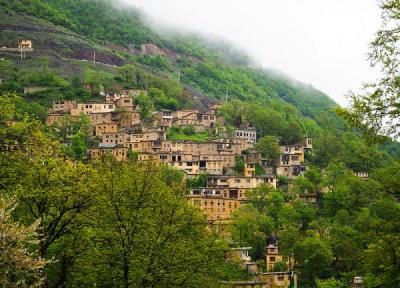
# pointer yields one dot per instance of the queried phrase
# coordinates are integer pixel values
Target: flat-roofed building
(62, 106)
(120, 153)
(89, 108)
(100, 118)
(105, 128)
(215, 208)
(25, 44)
(249, 134)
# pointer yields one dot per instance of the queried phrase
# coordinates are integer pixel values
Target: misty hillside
(135, 156)
(74, 29)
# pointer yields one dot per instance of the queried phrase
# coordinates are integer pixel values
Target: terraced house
(118, 128)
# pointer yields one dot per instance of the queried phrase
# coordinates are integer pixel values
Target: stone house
(105, 128)
(100, 118)
(250, 169)
(272, 255)
(119, 138)
(113, 97)
(62, 106)
(191, 164)
(89, 108)
(278, 279)
(215, 208)
(162, 118)
(25, 44)
(228, 190)
(126, 119)
(124, 104)
(249, 135)
(290, 162)
(120, 153)
(240, 181)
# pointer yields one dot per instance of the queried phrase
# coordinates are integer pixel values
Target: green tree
(269, 148)
(314, 257)
(19, 266)
(146, 105)
(78, 145)
(249, 227)
(128, 75)
(148, 234)
(376, 111)
(233, 112)
(239, 166)
(330, 283)
(259, 197)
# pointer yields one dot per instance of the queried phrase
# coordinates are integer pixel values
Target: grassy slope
(74, 29)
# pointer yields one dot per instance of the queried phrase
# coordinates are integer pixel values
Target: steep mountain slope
(180, 71)
(75, 29)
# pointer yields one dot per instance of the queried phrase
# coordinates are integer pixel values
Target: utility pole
(179, 76)
(94, 58)
(226, 95)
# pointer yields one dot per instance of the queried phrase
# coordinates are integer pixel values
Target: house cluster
(277, 270)
(119, 130)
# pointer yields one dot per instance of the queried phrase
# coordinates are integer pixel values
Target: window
(281, 278)
(272, 259)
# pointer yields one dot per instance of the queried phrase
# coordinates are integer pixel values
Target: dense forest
(66, 221)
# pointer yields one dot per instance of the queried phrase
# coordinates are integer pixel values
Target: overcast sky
(321, 42)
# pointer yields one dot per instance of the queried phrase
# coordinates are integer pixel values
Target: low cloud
(321, 42)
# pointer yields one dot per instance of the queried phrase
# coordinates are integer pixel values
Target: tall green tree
(249, 227)
(148, 234)
(19, 265)
(377, 111)
(269, 148)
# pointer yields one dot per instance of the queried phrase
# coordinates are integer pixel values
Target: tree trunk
(126, 271)
(66, 262)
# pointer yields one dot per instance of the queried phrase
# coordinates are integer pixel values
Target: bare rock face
(151, 49)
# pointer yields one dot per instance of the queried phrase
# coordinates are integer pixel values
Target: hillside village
(221, 163)
(120, 131)
(165, 162)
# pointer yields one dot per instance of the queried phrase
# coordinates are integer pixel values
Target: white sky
(321, 42)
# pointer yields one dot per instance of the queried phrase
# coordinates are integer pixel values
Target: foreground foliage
(354, 231)
(108, 223)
